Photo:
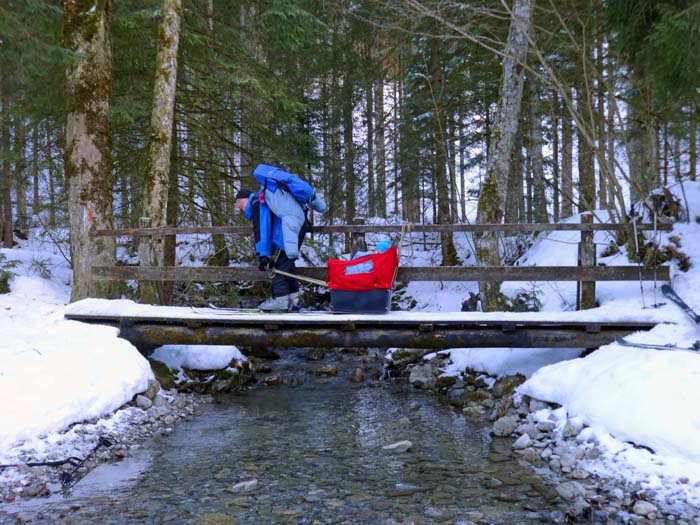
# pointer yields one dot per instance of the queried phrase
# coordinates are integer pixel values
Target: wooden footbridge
(149, 326)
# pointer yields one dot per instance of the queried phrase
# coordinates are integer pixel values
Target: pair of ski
(234, 311)
(672, 296)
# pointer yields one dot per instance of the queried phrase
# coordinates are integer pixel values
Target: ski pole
(310, 280)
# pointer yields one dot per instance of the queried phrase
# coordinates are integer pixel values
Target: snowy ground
(55, 372)
(627, 396)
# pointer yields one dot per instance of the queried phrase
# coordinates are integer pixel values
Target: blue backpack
(272, 178)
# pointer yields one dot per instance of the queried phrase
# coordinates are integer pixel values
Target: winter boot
(275, 304)
(294, 300)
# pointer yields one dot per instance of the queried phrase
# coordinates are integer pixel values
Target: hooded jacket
(267, 227)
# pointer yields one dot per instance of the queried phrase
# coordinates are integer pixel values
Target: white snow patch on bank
(55, 372)
(627, 392)
(505, 361)
(197, 357)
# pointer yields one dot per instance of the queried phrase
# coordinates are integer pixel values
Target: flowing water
(312, 454)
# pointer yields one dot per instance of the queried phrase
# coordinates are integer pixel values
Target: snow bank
(197, 357)
(505, 361)
(648, 397)
(55, 372)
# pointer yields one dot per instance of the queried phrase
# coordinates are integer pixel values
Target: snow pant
(282, 285)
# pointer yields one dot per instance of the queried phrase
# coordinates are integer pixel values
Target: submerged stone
(398, 447)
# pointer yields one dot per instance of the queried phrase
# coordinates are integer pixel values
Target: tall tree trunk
(171, 216)
(693, 139)
(600, 122)
(529, 190)
(326, 141)
(88, 151)
(521, 182)
(555, 158)
(157, 167)
(515, 197)
(349, 154)
(212, 183)
(666, 157)
(641, 146)
(462, 166)
(612, 183)
(379, 144)
(587, 125)
(452, 166)
(51, 168)
(395, 143)
(371, 183)
(433, 193)
(567, 164)
(21, 177)
(449, 253)
(492, 197)
(535, 144)
(6, 173)
(336, 201)
(36, 204)
(248, 112)
(124, 200)
(411, 207)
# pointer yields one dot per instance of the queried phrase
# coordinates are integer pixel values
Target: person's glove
(264, 263)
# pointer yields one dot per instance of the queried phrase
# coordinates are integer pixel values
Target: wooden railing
(587, 273)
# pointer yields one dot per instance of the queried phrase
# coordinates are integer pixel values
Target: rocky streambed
(542, 436)
(335, 437)
(319, 438)
(170, 399)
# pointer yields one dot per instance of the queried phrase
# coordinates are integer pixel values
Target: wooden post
(144, 243)
(357, 239)
(148, 293)
(586, 257)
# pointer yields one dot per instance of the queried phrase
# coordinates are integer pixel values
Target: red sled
(363, 285)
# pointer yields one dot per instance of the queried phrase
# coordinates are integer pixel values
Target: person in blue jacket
(269, 247)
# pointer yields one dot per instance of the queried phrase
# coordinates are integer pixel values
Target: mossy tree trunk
(515, 203)
(493, 191)
(157, 168)
(88, 152)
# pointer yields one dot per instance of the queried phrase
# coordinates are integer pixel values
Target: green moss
(489, 205)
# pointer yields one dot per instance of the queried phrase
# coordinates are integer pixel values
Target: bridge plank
(440, 320)
(405, 274)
